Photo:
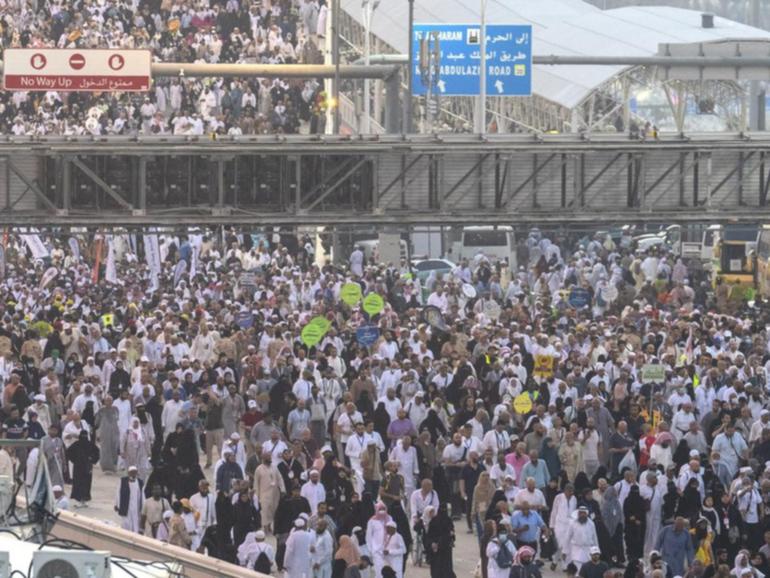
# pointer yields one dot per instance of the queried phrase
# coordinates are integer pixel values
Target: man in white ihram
(581, 537)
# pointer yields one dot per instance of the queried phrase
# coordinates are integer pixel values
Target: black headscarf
(634, 505)
(581, 483)
(433, 425)
(381, 420)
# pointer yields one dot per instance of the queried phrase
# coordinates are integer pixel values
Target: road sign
(509, 60)
(77, 70)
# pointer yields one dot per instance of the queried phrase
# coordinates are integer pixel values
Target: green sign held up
(373, 304)
(350, 294)
(311, 334)
(322, 323)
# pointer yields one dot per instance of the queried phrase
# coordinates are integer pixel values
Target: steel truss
(453, 179)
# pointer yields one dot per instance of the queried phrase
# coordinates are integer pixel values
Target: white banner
(75, 248)
(110, 273)
(36, 245)
(152, 253)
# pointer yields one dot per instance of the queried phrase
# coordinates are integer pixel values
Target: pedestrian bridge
(402, 180)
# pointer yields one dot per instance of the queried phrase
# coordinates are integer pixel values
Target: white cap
(594, 550)
(391, 524)
(235, 436)
(326, 448)
(299, 523)
(694, 454)
(252, 404)
(39, 397)
(260, 535)
(57, 488)
(133, 469)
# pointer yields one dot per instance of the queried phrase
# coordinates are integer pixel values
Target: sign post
(508, 56)
(68, 70)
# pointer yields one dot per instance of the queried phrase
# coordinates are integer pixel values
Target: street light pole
(336, 56)
(410, 71)
(368, 7)
(481, 111)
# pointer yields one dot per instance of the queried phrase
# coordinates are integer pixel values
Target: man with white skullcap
(254, 551)
(313, 491)
(392, 549)
(297, 560)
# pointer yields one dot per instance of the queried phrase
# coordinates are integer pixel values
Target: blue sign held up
(367, 335)
(244, 319)
(579, 297)
(509, 60)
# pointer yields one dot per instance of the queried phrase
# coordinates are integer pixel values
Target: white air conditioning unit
(5, 564)
(70, 564)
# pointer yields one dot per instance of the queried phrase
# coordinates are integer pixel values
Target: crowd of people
(204, 31)
(586, 408)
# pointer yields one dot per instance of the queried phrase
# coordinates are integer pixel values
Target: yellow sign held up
(543, 366)
(523, 403)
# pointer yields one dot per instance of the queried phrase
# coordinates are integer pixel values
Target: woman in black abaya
(635, 517)
(439, 542)
(83, 454)
(245, 518)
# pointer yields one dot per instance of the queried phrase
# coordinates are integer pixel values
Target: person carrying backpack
(500, 553)
(257, 555)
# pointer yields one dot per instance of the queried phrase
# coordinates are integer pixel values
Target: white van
(493, 242)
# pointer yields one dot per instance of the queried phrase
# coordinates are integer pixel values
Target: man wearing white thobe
(204, 504)
(581, 537)
(392, 549)
(323, 551)
(313, 491)
(298, 560)
(564, 506)
(353, 450)
(357, 262)
(405, 455)
(653, 492)
(128, 501)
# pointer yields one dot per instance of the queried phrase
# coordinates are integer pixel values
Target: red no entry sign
(77, 61)
(87, 70)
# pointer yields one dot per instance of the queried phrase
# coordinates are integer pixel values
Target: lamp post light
(367, 7)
